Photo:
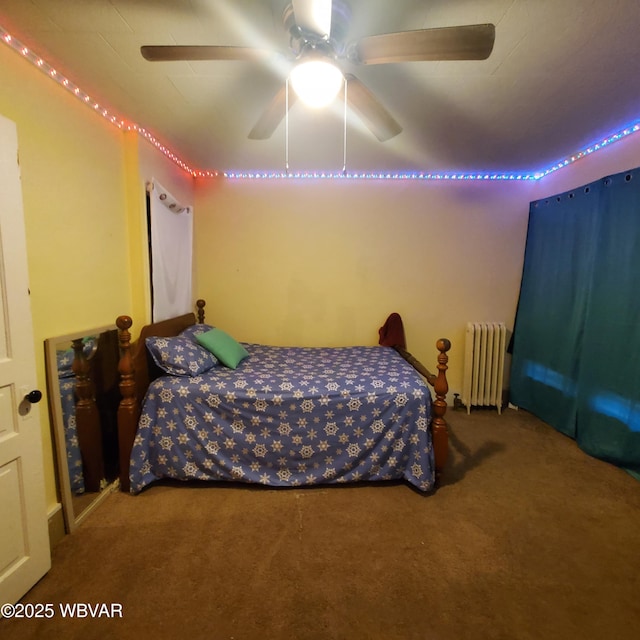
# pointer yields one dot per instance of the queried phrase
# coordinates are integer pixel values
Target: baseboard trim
(57, 530)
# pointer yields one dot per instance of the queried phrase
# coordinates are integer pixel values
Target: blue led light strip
(122, 124)
(420, 175)
(370, 175)
(619, 135)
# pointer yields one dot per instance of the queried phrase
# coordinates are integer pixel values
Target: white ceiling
(563, 74)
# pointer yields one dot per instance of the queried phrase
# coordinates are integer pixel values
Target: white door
(24, 535)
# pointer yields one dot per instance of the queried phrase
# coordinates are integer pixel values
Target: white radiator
(484, 365)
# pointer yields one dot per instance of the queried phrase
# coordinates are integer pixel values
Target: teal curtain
(576, 343)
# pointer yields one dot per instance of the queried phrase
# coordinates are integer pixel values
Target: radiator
(484, 365)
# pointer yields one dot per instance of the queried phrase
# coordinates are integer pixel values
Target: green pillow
(230, 352)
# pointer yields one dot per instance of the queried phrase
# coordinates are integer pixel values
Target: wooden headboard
(137, 371)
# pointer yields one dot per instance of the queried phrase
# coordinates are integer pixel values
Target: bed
(285, 416)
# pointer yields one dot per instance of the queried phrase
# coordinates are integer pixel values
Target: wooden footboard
(439, 431)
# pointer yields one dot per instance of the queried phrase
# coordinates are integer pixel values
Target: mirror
(82, 384)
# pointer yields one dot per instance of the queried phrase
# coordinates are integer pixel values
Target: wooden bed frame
(88, 425)
(95, 377)
(137, 370)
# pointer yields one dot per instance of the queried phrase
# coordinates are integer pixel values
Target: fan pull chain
(344, 148)
(286, 126)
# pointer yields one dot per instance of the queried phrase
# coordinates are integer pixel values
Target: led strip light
(124, 125)
(372, 175)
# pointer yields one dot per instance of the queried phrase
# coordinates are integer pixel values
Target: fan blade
(171, 53)
(471, 42)
(272, 115)
(313, 16)
(366, 105)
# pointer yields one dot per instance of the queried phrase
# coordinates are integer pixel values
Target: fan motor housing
(302, 40)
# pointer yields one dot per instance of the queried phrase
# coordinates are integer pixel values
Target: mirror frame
(71, 519)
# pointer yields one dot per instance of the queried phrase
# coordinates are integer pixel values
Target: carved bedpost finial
(200, 304)
(125, 366)
(439, 424)
(443, 345)
(124, 323)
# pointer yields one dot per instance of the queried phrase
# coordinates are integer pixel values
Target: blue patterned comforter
(289, 417)
(67, 384)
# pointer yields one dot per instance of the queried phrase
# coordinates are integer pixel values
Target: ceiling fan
(317, 30)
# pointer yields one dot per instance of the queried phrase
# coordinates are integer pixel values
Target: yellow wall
(72, 183)
(81, 180)
(315, 263)
(319, 263)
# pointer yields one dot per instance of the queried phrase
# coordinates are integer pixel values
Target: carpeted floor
(528, 538)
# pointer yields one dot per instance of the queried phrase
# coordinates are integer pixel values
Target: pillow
(223, 346)
(179, 356)
(192, 331)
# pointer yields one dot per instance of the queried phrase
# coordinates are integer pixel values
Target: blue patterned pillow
(180, 356)
(195, 330)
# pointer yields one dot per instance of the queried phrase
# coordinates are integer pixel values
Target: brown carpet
(529, 538)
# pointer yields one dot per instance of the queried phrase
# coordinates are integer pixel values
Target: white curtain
(171, 226)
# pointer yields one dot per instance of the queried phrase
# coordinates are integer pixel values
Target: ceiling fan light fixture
(316, 82)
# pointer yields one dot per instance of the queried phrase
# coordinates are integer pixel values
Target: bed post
(87, 421)
(200, 304)
(439, 431)
(128, 408)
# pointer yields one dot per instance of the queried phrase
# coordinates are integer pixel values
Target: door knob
(34, 396)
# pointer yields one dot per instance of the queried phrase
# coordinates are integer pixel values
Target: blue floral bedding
(289, 417)
(67, 382)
